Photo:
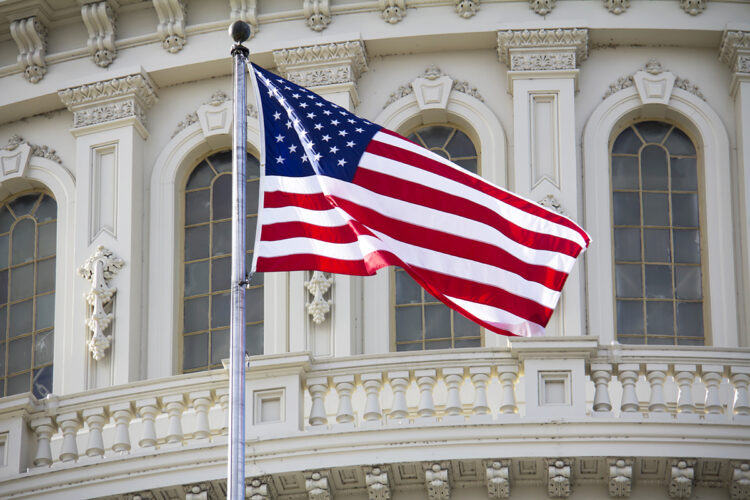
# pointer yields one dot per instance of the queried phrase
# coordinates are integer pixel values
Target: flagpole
(239, 31)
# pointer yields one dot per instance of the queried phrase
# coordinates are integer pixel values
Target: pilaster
(109, 126)
(331, 70)
(542, 76)
(735, 52)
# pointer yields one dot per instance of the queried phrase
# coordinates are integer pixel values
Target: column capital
(734, 51)
(331, 67)
(543, 49)
(117, 101)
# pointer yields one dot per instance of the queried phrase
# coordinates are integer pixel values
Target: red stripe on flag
(296, 229)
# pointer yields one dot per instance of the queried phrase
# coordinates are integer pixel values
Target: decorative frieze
(543, 49)
(30, 35)
(99, 18)
(467, 8)
(739, 488)
(652, 67)
(693, 7)
(735, 52)
(437, 482)
(317, 14)
(620, 477)
(327, 64)
(318, 286)
(378, 484)
(434, 74)
(171, 24)
(317, 486)
(558, 477)
(681, 478)
(542, 7)
(498, 479)
(127, 97)
(617, 7)
(392, 11)
(99, 269)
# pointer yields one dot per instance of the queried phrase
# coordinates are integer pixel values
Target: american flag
(343, 195)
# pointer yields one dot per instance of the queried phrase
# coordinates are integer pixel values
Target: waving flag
(343, 195)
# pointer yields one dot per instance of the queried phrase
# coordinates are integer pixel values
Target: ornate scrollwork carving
(558, 478)
(437, 482)
(498, 479)
(31, 37)
(467, 8)
(432, 72)
(171, 24)
(681, 478)
(317, 486)
(41, 151)
(318, 286)
(378, 485)
(620, 477)
(317, 14)
(392, 11)
(99, 19)
(652, 67)
(99, 269)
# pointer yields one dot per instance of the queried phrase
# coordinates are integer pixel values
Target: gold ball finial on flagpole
(239, 31)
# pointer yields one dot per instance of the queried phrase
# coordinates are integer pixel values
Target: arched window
(657, 236)
(207, 264)
(421, 320)
(28, 229)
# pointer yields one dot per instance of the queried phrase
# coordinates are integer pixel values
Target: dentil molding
(30, 35)
(326, 64)
(127, 97)
(99, 18)
(653, 81)
(171, 24)
(543, 49)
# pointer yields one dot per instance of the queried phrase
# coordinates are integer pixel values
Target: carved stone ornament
(318, 286)
(16, 145)
(433, 74)
(245, 10)
(740, 485)
(558, 478)
(119, 98)
(31, 37)
(735, 50)
(99, 269)
(693, 7)
(197, 491)
(317, 486)
(437, 483)
(326, 64)
(171, 24)
(392, 11)
(467, 8)
(378, 486)
(215, 115)
(653, 88)
(317, 14)
(99, 18)
(681, 478)
(551, 202)
(498, 479)
(258, 489)
(617, 6)
(620, 477)
(542, 7)
(542, 49)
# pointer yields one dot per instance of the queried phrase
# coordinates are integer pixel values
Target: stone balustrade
(547, 380)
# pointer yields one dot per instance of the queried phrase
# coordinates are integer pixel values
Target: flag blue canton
(306, 134)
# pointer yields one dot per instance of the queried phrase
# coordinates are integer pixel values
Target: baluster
(201, 402)
(508, 376)
(628, 375)
(121, 413)
(740, 378)
(43, 427)
(147, 410)
(318, 387)
(69, 423)
(712, 376)
(684, 375)
(344, 387)
(373, 383)
(656, 374)
(399, 382)
(426, 382)
(601, 374)
(222, 395)
(480, 375)
(95, 419)
(453, 378)
(174, 405)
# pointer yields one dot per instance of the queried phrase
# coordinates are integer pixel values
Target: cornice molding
(327, 64)
(543, 49)
(735, 50)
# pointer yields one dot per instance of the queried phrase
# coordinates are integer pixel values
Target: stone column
(542, 76)
(332, 71)
(735, 51)
(109, 126)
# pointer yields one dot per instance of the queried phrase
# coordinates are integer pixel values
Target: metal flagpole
(239, 31)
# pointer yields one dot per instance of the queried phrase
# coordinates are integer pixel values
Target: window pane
(459, 343)
(437, 322)
(688, 284)
(20, 318)
(4, 242)
(655, 209)
(222, 198)
(656, 245)
(464, 327)
(219, 345)
(4, 286)
(197, 207)
(220, 310)
(47, 210)
(19, 355)
(653, 131)
(23, 237)
(45, 311)
(685, 210)
(627, 142)
(196, 243)
(690, 319)
(660, 318)
(221, 274)
(440, 344)
(686, 246)
(435, 136)
(627, 211)
(196, 278)
(47, 240)
(6, 220)
(200, 177)
(222, 162)
(221, 238)
(654, 168)
(684, 174)
(195, 315)
(408, 323)
(628, 280)
(22, 282)
(251, 197)
(408, 291)
(42, 382)
(254, 339)
(624, 172)
(252, 168)
(460, 145)
(43, 348)
(627, 244)
(658, 281)
(18, 384)
(679, 144)
(470, 165)
(45, 276)
(23, 204)
(195, 351)
(630, 316)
